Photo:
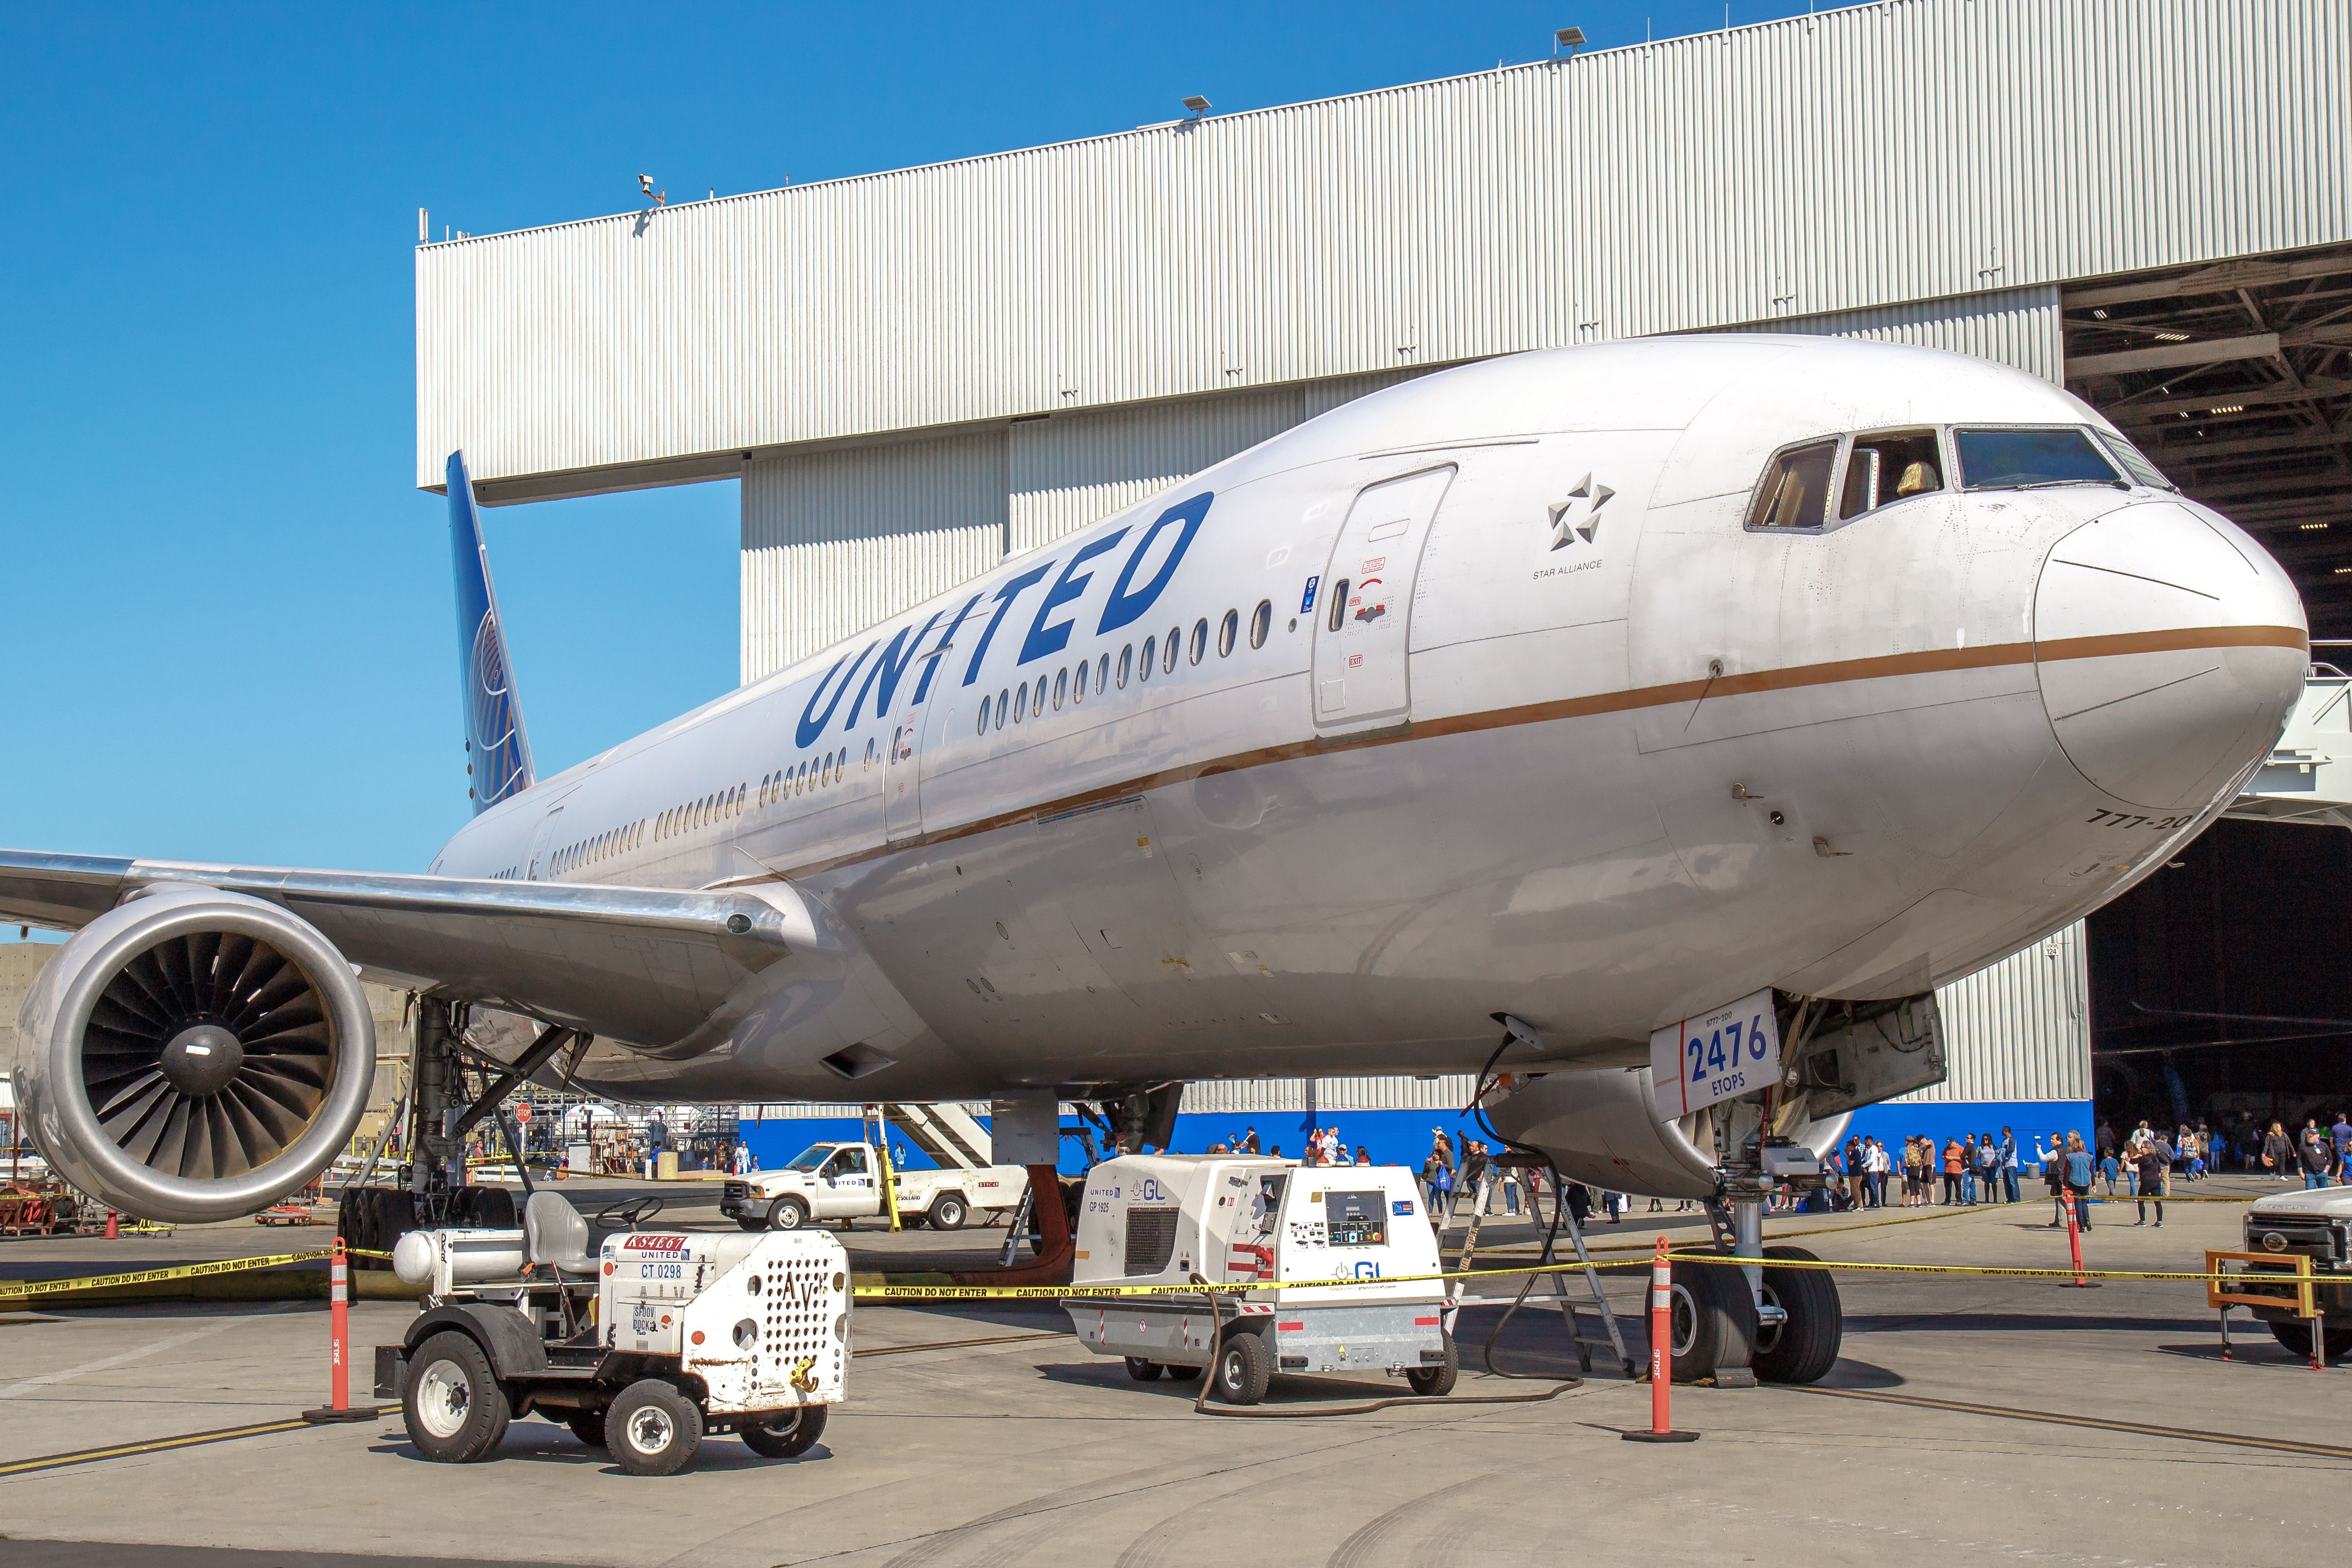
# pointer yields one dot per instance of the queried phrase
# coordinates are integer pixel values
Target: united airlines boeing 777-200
(1765, 680)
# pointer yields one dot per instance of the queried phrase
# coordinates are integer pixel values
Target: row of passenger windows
(603, 847)
(819, 773)
(1883, 467)
(710, 808)
(1014, 703)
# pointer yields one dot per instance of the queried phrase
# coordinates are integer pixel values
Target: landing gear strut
(1754, 1321)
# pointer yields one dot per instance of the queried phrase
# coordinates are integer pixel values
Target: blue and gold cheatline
(497, 751)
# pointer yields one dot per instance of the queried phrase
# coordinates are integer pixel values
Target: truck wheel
(1436, 1382)
(1243, 1369)
(787, 1213)
(2296, 1336)
(1804, 1347)
(948, 1212)
(786, 1435)
(588, 1426)
(654, 1430)
(1143, 1370)
(451, 1402)
(1714, 1319)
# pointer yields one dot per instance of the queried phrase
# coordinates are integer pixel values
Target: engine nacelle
(193, 1054)
(1602, 1127)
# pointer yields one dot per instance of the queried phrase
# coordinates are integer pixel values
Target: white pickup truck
(842, 1182)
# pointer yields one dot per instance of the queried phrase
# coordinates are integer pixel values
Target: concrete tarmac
(1970, 1417)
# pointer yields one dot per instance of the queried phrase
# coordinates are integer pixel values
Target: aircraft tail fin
(497, 751)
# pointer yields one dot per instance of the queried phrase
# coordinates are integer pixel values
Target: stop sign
(522, 1113)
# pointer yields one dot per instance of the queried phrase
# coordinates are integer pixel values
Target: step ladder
(1613, 1335)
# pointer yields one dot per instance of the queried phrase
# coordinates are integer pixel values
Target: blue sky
(228, 630)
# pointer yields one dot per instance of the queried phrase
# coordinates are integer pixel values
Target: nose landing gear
(1739, 1324)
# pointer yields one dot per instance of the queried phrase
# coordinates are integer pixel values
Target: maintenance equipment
(1181, 1221)
(642, 1343)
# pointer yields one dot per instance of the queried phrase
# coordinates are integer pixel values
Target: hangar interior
(915, 372)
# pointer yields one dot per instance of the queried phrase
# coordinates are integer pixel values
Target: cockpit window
(2135, 461)
(1889, 466)
(1796, 489)
(2030, 460)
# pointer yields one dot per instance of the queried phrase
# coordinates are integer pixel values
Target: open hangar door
(2221, 986)
(2236, 378)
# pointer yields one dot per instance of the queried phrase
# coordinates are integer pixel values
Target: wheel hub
(649, 1431)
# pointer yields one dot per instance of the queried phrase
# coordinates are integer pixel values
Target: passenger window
(1261, 622)
(1126, 658)
(1150, 658)
(1338, 605)
(1796, 489)
(1061, 688)
(1168, 649)
(1200, 639)
(1003, 697)
(1892, 466)
(1039, 701)
(1102, 673)
(1228, 630)
(981, 727)
(1021, 703)
(1079, 687)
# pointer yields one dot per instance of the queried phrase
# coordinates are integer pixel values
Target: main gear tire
(1803, 1346)
(1714, 1320)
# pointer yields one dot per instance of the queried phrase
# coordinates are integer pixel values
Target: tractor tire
(1436, 1382)
(451, 1402)
(788, 1434)
(653, 1429)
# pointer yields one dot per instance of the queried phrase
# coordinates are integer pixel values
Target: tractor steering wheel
(627, 1214)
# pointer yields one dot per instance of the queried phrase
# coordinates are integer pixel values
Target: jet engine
(1601, 1126)
(193, 1054)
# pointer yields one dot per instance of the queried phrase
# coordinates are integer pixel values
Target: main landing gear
(1741, 1324)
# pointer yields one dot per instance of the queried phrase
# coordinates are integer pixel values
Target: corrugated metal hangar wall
(914, 372)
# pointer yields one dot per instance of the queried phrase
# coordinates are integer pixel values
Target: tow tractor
(1177, 1221)
(642, 1342)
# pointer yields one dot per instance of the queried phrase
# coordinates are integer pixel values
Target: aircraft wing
(642, 965)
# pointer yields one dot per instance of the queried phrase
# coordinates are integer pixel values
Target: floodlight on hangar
(1568, 38)
(1198, 105)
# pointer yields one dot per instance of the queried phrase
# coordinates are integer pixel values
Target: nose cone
(2170, 648)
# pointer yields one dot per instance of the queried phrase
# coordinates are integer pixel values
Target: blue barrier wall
(1403, 1137)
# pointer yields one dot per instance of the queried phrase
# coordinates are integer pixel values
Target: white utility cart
(641, 1344)
(1165, 1220)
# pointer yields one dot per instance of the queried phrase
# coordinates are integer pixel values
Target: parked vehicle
(842, 1182)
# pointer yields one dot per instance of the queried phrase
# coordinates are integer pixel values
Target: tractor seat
(555, 1234)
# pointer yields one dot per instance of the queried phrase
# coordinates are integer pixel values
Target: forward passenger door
(1365, 605)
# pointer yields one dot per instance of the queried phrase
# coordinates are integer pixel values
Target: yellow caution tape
(11, 1288)
(1982, 1270)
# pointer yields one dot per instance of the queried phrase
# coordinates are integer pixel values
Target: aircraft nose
(2170, 647)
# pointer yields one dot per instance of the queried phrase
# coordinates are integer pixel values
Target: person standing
(1852, 1166)
(1877, 1169)
(1363, 1155)
(2340, 1136)
(2154, 1162)
(2317, 1157)
(1968, 1170)
(2278, 1153)
(2077, 1174)
(2008, 1166)
(1475, 1165)
(1951, 1174)
(2052, 1177)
